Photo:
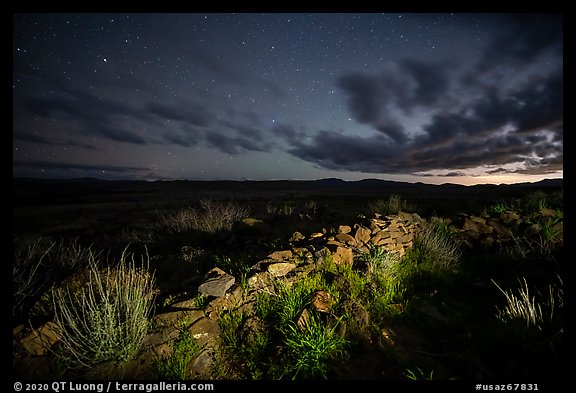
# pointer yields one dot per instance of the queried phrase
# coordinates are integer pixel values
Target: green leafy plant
(499, 207)
(309, 353)
(418, 375)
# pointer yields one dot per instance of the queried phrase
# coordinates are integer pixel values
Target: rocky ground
(441, 332)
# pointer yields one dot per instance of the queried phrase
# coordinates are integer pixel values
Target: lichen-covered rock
(280, 269)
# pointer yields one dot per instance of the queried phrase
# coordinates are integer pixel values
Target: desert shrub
(437, 251)
(107, 318)
(41, 263)
(210, 216)
(393, 205)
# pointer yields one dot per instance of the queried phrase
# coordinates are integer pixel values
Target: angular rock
(344, 229)
(321, 254)
(500, 228)
(487, 241)
(203, 365)
(362, 235)
(357, 313)
(296, 237)
(217, 283)
(509, 216)
(469, 225)
(532, 230)
(17, 329)
(281, 255)
(40, 340)
(545, 212)
(385, 241)
(250, 226)
(205, 330)
(316, 235)
(280, 269)
(303, 320)
(378, 222)
(170, 318)
(343, 255)
(485, 228)
(322, 301)
(477, 220)
(251, 329)
(335, 243)
(405, 238)
(346, 239)
(260, 281)
(405, 216)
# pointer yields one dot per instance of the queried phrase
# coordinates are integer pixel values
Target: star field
(465, 98)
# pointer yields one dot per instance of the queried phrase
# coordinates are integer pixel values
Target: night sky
(459, 98)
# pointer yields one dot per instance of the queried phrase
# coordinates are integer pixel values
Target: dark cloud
(190, 113)
(184, 140)
(335, 150)
(454, 174)
(520, 126)
(289, 133)
(27, 137)
(430, 83)
(83, 167)
(234, 144)
(93, 115)
(374, 99)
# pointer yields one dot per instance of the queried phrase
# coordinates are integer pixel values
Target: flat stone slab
(40, 340)
(281, 269)
(217, 283)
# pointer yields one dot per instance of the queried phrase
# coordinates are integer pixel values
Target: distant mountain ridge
(328, 182)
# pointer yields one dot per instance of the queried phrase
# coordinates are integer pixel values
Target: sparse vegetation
(210, 216)
(174, 367)
(392, 205)
(532, 310)
(382, 310)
